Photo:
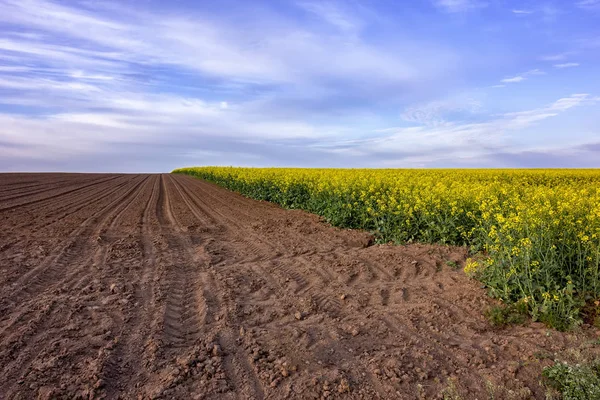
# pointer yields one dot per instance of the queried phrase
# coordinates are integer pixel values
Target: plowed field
(164, 286)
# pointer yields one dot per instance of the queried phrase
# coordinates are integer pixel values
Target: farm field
(535, 234)
(167, 286)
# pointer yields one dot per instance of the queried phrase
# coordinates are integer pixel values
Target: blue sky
(152, 85)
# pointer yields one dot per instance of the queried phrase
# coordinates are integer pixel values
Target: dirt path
(160, 286)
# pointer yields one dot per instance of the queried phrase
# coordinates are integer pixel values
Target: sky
(149, 86)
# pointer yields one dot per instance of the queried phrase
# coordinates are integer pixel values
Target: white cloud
(46, 84)
(434, 113)
(146, 119)
(93, 119)
(550, 13)
(466, 139)
(566, 65)
(256, 53)
(514, 79)
(535, 72)
(457, 6)
(106, 73)
(522, 12)
(523, 76)
(588, 4)
(555, 57)
(333, 15)
(83, 76)
(573, 101)
(14, 68)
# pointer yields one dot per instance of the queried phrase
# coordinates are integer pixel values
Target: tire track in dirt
(56, 276)
(40, 181)
(51, 189)
(24, 218)
(118, 369)
(184, 311)
(312, 285)
(258, 248)
(237, 368)
(107, 237)
(195, 242)
(207, 223)
(245, 213)
(58, 212)
(71, 268)
(39, 242)
(72, 252)
(54, 195)
(177, 336)
(34, 187)
(113, 268)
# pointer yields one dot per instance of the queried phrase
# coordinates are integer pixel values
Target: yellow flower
(473, 267)
(546, 295)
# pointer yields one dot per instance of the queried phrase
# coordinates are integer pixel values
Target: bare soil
(162, 286)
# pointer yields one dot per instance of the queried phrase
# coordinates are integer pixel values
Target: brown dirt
(161, 286)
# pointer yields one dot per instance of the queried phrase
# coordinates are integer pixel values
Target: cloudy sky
(153, 85)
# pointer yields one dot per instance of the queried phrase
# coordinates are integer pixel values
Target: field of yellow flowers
(535, 234)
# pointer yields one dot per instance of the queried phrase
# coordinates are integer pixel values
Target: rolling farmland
(167, 286)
